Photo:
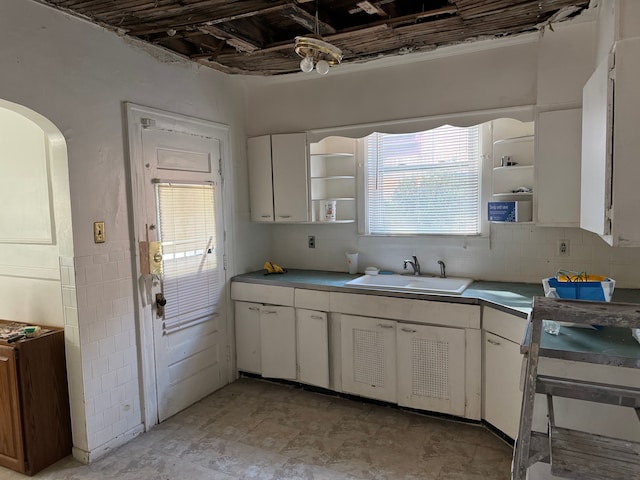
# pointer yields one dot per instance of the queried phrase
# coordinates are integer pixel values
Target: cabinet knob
(408, 330)
(317, 317)
(265, 216)
(493, 342)
(284, 216)
(382, 325)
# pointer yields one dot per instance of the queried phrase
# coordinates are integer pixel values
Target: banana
(272, 268)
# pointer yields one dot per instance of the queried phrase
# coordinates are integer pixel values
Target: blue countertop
(514, 298)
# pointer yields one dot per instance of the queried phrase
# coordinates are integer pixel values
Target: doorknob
(160, 303)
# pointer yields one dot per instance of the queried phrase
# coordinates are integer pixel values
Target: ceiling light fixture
(315, 52)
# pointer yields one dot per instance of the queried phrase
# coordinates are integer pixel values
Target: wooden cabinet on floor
(35, 425)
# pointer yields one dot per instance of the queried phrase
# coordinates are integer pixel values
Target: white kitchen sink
(411, 284)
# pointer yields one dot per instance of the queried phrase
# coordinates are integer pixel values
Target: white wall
(547, 71)
(35, 221)
(78, 75)
(351, 95)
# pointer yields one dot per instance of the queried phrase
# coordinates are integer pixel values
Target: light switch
(98, 232)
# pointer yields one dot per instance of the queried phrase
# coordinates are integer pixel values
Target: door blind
(424, 182)
(190, 260)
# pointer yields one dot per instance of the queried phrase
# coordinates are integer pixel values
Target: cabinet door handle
(408, 330)
(493, 342)
(254, 309)
(265, 216)
(284, 216)
(317, 317)
(269, 312)
(382, 325)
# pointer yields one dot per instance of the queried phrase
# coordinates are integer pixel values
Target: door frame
(135, 116)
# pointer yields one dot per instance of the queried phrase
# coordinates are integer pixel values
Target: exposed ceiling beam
(233, 39)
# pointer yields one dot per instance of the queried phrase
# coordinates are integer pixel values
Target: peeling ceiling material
(257, 36)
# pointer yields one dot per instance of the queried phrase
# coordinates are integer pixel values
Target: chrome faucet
(443, 274)
(414, 264)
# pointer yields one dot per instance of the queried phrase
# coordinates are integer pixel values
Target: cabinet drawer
(312, 300)
(418, 311)
(503, 324)
(271, 294)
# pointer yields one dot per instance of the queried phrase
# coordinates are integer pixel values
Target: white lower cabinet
(248, 354)
(369, 357)
(278, 342)
(431, 368)
(283, 342)
(502, 395)
(313, 347)
(437, 367)
(502, 367)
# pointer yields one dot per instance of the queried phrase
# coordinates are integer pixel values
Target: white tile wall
(514, 253)
(107, 336)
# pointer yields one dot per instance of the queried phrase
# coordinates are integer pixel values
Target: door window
(190, 261)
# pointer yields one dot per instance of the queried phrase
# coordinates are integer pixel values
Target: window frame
(484, 185)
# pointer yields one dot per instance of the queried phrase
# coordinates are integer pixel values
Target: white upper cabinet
(278, 186)
(610, 196)
(557, 174)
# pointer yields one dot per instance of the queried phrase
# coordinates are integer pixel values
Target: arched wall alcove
(37, 280)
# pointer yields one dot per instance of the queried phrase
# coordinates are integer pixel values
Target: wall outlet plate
(563, 248)
(312, 241)
(98, 232)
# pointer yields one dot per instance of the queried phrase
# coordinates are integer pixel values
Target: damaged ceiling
(257, 36)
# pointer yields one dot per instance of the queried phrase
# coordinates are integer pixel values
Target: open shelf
(332, 168)
(511, 194)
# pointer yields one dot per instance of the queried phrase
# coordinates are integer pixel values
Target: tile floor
(254, 429)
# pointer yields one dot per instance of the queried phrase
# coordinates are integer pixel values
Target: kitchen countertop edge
(478, 293)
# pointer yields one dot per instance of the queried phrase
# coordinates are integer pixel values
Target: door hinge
(224, 261)
(220, 166)
(147, 122)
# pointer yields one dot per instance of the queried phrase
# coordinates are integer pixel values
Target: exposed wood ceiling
(257, 36)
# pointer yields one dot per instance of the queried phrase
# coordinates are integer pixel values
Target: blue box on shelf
(510, 211)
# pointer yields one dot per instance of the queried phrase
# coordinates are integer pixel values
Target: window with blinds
(191, 270)
(424, 182)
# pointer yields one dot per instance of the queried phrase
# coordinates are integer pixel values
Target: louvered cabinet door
(11, 444)
(431, 368)
(369, 357)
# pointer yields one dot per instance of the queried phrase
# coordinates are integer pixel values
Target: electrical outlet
(98, 232)
(312, 241)
(563, 248)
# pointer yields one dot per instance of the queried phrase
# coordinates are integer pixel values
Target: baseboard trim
(91, 456)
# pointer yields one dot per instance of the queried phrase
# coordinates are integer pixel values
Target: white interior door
(183, 203)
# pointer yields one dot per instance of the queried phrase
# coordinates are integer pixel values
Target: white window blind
(191, 271)
(424, 182)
